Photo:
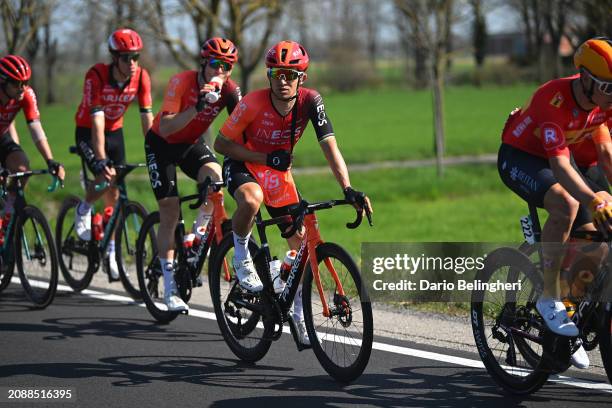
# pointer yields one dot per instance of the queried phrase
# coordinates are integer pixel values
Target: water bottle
(108, 213)
(213, 96)
(196, 243)
(4, 223)
(97, 227)
(287, 264)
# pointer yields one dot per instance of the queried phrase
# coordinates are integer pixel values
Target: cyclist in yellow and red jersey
(108, 91)
(257, 141)
(16, 95)
(534, 161)
(193, 99)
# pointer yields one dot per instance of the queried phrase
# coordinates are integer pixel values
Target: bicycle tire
(355, 294)
(7, 266)
(132, 215)
(247, 341)
(605, 339)
(148, 270)
(41, 290)
(520, 380)
(68, 245)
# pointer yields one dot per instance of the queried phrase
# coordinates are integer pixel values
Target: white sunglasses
(604, 86)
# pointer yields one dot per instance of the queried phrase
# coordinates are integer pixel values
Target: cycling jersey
(102, 93)
(13, 106)
(182, 93)
(584, 152)
(552, 120)
(257, 125)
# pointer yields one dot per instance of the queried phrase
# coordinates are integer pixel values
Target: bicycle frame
(306, 253)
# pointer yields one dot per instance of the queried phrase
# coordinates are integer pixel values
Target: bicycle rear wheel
(239, 325)
(130, 223)
(35, 257)
(148, 270)
(342, 341)
(74, 254)
(506, 322)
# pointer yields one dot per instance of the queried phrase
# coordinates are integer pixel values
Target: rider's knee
(251, 199)
(564, 207)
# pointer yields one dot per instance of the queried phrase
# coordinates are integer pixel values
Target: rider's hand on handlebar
(56, 169)
(602, 213)
(279, 160)
(103, 166)
(359, 200)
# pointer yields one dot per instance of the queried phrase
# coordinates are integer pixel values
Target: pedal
(198, 282)
(294, 333)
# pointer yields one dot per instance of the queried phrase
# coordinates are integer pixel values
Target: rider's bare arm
(335, 160)
(238, 152)
(146, 121)
(13, 132)
(570, 179)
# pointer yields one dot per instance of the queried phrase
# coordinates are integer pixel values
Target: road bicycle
(80, 259)
(517, 349)
(188, 261)
(28, 244)
(337, 310)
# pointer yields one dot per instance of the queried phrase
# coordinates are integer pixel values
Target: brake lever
(297, 224)
(203, 194)
(357, 222)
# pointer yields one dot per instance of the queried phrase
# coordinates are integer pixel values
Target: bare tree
(50, 55)
(259, 17)
(430, 18)
(479, 38)
(413, 39)
(554, 13)
(21, 21)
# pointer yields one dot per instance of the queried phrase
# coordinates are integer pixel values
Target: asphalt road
(110, 353)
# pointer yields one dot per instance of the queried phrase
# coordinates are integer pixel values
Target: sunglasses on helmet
(128, 57)
(215, 63)
(604, 86)
(284, 73)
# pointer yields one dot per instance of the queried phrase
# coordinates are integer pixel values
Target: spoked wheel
(605, 338)
(130, 223)
(342, 340)
(36, 258)
(507, 328)
(74, 260)
(148, 269)
(247, 340)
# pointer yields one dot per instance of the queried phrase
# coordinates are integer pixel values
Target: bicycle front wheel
(506, 322)
(74, 259)
(35, 257)
(130, 223)
(342, 341)
(605, 338)
(239, 325)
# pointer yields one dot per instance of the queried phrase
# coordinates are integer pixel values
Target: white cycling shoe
(302, 332)
(113, 267)
(247, 275)
(277, 282)
(555, 316)
(82, 224)
(174, 302)
(580, 359)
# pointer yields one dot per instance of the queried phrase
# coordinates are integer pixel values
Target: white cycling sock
(298, 312)
(241, 247)
(167, 267)
(83, 208)
(111, 247)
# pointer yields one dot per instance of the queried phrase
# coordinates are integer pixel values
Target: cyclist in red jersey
(257, 141)
(16, 95)
(193, 99)
(534, 161)
(108, 91)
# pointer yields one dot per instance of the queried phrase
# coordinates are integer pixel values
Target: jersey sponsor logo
(153, 171)
(207, 112)
(525, 179)
(276, 136)
(237, 113)
(88, 94)
(118, 98)
(557, 100)
(267, 123)
(552, 137)
(114, 111)
(520, 128)
(172, 85)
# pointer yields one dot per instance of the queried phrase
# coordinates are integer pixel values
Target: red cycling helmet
(124, 40)
(287, 54)
(15, 67)
(220, 48)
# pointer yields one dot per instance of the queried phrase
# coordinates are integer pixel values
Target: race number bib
(278, 186)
